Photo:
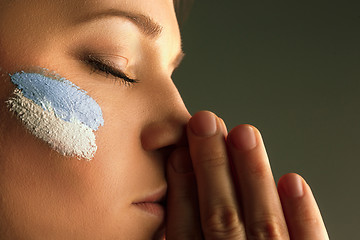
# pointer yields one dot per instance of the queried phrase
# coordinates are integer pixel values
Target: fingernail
(203, 124)
(243, 138)
(181, 161)
(293, 186)
(223, 126)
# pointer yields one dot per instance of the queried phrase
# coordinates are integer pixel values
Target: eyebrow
(147, 26)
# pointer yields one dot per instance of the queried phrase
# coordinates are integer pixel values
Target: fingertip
(243, 137)
(203, 124)
(300, 206)
(292, 185)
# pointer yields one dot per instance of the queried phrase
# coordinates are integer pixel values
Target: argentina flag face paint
(57, 111)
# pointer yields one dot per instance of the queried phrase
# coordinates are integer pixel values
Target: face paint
(57, 111)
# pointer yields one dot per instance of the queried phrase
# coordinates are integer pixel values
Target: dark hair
(182, 9)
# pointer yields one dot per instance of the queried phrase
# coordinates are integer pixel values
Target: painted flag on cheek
(57, 111)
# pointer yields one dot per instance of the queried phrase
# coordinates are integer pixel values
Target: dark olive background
(292, 70)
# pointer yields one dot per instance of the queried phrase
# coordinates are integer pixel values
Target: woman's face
(45, 195)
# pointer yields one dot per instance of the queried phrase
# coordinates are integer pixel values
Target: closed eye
(105, 67)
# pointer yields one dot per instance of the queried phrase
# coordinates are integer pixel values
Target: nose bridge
(168, 99)
(168, 117)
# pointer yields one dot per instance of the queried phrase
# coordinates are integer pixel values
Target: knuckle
(223, 223)
(259, 169)
(309, 221)
(212, 159)
(268, 229)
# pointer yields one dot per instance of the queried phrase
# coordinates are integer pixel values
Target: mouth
(153, 204)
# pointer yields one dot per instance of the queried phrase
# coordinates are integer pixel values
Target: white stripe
(68, 138)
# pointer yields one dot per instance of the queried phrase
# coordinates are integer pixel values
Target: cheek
(57, 112)
(119, 144)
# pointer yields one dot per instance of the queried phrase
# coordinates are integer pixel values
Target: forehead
(41, 16)
(160, 11)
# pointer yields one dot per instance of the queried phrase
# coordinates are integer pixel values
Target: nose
(168, 117)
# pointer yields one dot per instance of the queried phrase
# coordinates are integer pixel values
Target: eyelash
(104, 67)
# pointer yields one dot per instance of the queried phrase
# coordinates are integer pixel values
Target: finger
(183, 220)
(219, 211)
(263, 215)
(223, 127)
(301, 211)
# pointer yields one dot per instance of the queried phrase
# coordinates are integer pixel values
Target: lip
(153, 203)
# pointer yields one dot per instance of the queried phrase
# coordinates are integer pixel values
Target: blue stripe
(68, 101)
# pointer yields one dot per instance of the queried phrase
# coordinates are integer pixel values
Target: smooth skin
(46, 196)
(222, 187)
